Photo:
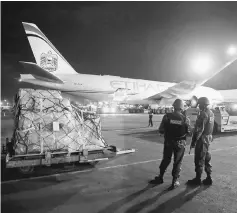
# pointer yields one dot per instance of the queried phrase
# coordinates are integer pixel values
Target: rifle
(190, 149)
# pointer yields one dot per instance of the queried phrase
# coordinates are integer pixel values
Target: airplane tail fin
(46, 55)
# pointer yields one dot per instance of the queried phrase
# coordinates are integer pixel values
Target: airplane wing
(40, 73)
(185, 88)
(178, 90)
(218, 71)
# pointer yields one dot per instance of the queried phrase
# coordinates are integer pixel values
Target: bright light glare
(201, 64)
(193, 103)
(235, 106)
(232, 51)
(113, 110)
(106, 109)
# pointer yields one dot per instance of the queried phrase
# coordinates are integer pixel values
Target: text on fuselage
(137, 86)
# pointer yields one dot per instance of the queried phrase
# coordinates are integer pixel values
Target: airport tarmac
(121, 184)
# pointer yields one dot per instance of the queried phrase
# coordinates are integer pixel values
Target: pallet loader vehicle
(223, 121)
(26, 163)
(49, 129)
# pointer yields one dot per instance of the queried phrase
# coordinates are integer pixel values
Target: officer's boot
(158, 179)
(195, 181)
(208, 180)
(175, 183)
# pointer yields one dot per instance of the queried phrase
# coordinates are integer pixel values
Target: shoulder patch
(211, 120)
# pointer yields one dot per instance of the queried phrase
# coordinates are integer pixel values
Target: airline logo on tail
(46, 55)
(49, 61)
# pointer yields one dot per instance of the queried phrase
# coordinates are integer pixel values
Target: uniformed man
(202, 137)
(175, 126)
(150, 118)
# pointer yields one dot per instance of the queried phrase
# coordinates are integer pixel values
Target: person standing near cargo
(175, 126)
(202, 137)
(150, 118)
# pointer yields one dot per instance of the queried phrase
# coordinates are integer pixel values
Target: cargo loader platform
(26, 163)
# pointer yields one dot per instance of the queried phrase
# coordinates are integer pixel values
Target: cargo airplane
(52, 71)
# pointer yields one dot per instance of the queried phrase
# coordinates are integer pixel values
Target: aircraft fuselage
(115, 88)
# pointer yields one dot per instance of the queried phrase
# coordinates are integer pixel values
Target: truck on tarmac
(163, 110)
(136, 109)
(223, 121)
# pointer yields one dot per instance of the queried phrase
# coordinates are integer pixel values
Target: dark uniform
(150, 118)
(202, 137)
(175, 127)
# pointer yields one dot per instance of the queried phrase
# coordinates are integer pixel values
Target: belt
(183, 137)
(176, 139)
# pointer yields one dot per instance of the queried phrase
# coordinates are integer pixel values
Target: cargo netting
(45, 121)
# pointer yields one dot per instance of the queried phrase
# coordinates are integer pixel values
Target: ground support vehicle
(223, 121)
(136, 109)
(26, 163)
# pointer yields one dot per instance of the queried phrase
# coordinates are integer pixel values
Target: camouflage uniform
(175, 126)
(202, 137)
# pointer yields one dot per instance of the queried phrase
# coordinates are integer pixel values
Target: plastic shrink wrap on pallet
(44, 121)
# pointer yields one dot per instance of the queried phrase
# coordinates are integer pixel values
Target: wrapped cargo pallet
(44, 121)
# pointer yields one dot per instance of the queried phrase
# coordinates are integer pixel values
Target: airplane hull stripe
(86, 91)
(49, 43)
(34, 30)
(37, 36)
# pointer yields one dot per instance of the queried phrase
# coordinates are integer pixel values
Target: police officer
(202, 136)
(175, 126)
(150, 118)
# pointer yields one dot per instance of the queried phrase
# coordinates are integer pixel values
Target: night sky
(146, 40)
